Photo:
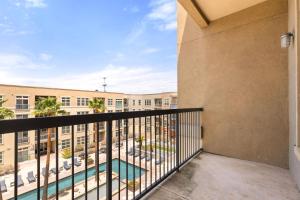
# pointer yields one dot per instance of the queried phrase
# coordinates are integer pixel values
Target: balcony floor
(212, 177)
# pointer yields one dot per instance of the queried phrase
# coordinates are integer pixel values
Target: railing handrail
(16, 125)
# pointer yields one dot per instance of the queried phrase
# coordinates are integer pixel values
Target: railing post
(109, 160)
(177, 142)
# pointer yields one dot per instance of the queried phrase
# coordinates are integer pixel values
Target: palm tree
(98, 106)
(140, 140)
(47, 107)
(5, 113)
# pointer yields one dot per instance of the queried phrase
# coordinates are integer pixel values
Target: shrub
(79, 148)
(66, 153)
(133, 185)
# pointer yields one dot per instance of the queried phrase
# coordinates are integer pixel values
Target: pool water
(80, 176)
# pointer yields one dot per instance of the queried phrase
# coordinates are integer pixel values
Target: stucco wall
(294, 162)
(237, 71)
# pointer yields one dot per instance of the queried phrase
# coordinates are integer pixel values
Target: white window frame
(82, 101)
(148, 102)
(65, 144)
(110, 102)
(2, 157)
(65, 101)
(166, 102)
(22, 98)
(119, 103)
(1, 99)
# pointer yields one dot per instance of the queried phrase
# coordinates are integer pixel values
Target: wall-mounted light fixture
(286, 39)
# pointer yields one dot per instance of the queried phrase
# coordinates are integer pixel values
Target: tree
(140, 140)
(47, 107)
(5, 113)
(98, 106)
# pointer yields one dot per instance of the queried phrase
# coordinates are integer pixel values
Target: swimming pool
(80, 176)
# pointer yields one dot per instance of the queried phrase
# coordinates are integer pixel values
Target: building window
(148, 102)
(1, 99)
(1, 157)
(82, 101)
(119, 103)
(140, 102)
(81, 140)
(133, 102)
(65, 101)
(22, 102)
(110, 111)
(81, 127)
(23, 154)
(110, 102)
(22, 136)
(117, 133)
(65, 144)
(1, 139)
(66, 129)
(166, 102)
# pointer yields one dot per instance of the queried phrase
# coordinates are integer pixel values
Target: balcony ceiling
(215, 9)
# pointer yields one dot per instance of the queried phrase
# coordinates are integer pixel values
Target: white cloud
(119, 79)
(13, 62)
(163, 14)
(31, 3)
(150, 50)
(45, 57)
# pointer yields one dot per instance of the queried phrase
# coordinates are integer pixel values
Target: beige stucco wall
(237, 71)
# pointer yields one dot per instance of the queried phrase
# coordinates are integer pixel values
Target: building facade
(22, 99)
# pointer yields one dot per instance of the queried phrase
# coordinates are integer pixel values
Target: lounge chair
(76, 162)
(148, 157)
(30, 177)
(53, 170)
(20, 181)
(137, 153)
(66, 165)
(3, 186)
(143, 156)
(130, 152)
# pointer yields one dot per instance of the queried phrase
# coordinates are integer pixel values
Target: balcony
(128, 167)
(212, 176)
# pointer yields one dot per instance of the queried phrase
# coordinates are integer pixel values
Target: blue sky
(73, 44)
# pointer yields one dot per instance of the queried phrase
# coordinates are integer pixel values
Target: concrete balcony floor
(212, 177)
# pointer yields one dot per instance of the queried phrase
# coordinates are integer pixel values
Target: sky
(74, 44)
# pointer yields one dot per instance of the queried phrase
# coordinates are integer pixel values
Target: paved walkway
(212, 177)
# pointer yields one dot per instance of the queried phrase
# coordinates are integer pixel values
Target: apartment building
(22, 99)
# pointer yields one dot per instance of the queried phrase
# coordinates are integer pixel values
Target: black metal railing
(154, 145)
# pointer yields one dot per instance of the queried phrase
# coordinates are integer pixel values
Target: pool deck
(31, 165)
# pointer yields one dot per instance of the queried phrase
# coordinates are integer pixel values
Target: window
(1, 99)
(117, 133)
(158, 102)
(81, 140)
(119, 103)
(82, 101)
(66, 129)
(81, 127)
(140, 102)
(65, 101)
(23, 154)
(118, 110)
(110, 111)
(166, 102)
(65, 144)
(22, 102)
(133, 102)
(22, 136)
(1, 157)
(148, 102)
(1, 139)
(110, 102)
